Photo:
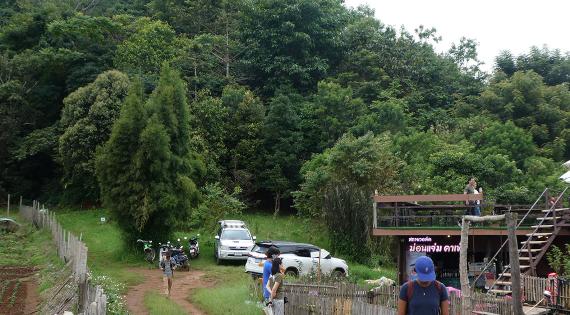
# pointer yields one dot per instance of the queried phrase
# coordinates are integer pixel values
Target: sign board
(103, 220)
(427, 245)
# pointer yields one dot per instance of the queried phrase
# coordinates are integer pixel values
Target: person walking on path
(167, 265)
(275, 285)
(271, 253)
(425, 295)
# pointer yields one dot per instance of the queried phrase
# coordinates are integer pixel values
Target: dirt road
(184, 282)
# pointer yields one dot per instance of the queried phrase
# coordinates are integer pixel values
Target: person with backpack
(425, 295)
(167, 265)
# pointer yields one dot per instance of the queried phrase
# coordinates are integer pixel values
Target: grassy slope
(106, 253)
(232, 285)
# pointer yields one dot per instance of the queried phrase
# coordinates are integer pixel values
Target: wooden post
(466, 305)
(374, 215)
(20, 202)
(8, 209)
(463, 272)
(514, 262)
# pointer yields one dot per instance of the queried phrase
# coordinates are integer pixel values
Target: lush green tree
(87, 119)
(118, 166)
(244, 139)
(533, 106)
(290, 42)
(337, 185)
(149, 45)
(283, 146)
(366, 161)
(147, 169)
(328, 114)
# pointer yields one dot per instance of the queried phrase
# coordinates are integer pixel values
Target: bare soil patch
(18, 290)
(183, 284)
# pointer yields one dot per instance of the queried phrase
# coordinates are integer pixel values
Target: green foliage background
(266, 104)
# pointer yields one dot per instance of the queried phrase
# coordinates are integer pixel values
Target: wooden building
(430, 225)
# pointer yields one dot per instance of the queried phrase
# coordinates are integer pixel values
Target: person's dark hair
(167, 254)
(275, 265)
(272, 251)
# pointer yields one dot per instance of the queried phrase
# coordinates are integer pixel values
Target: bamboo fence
(73, 291)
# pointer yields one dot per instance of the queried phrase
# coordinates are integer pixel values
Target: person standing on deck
(470, 190)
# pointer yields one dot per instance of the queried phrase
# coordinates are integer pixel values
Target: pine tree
(121, 182)
(147, 170)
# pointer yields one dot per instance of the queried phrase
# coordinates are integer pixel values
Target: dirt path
(184, 282)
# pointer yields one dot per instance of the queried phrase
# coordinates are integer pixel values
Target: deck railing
(416, 211)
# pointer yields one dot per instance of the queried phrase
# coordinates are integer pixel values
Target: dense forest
(263, 103)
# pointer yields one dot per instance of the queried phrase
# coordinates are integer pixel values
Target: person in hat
(425, 295)
(167, 265)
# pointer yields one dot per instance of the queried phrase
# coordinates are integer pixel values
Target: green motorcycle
(149, 252)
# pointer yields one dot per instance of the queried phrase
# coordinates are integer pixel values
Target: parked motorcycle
(182, 262)
(193, 246)
(149, 252)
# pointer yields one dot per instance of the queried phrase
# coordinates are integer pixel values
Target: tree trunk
(277, 204)
(514, 262)
(463, 272)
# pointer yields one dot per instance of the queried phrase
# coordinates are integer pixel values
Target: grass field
(108, 258)
(158, 304)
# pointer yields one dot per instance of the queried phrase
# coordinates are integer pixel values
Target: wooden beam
(432, 198)
(447, 231)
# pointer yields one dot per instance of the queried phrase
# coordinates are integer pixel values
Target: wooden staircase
(533, 249)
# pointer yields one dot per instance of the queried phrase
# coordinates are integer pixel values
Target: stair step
(532, 250)
(534, 242)
(500, 292)
(548, 218)
(543, 226)
(524, 258)
(524, 266)
(503, 283)
(539, 234)
(505, 274)
(559, 209)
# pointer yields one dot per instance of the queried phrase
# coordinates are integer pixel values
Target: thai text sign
(426, 245)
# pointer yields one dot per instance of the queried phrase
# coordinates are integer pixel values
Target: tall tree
(147, 169)
(87, 119)
(283, 145)
(291, 42)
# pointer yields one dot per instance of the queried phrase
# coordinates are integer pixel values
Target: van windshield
(236, 235)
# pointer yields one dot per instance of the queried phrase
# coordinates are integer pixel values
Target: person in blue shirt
(271, 253)
(425, 295)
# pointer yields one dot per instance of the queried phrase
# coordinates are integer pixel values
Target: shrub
(217, 204)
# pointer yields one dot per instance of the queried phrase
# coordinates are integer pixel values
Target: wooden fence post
(463, 272)
(514, 262)
(8, 208)
(20, 202)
